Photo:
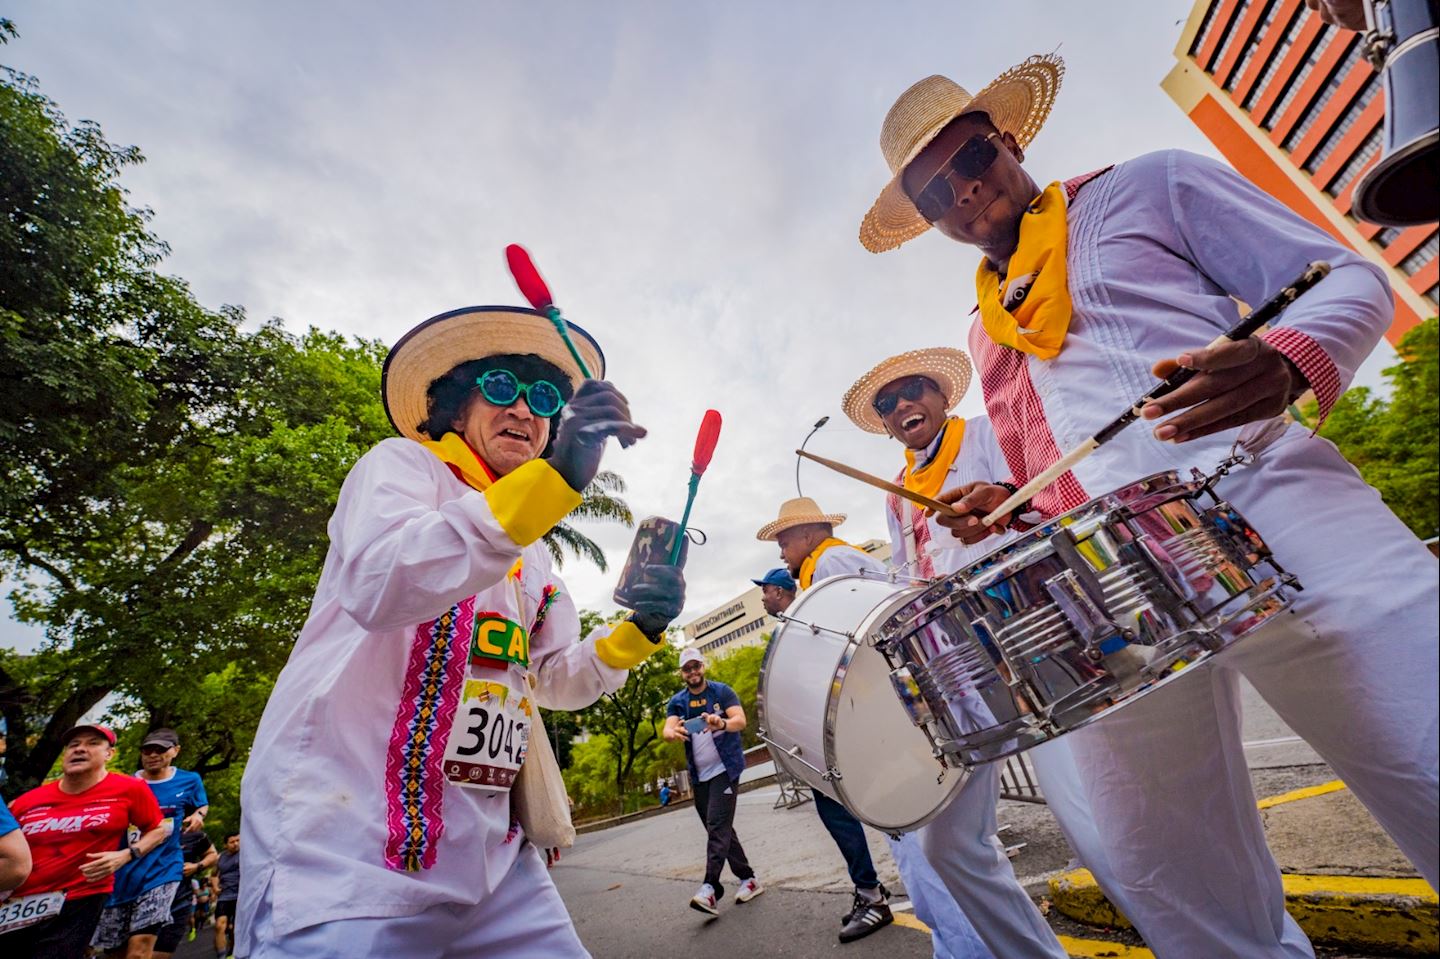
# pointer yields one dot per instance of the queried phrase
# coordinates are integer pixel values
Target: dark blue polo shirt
(715, 698)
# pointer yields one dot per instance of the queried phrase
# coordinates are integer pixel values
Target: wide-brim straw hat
(797, 512)
(441, 343)
(949, 368)
(1017, 102)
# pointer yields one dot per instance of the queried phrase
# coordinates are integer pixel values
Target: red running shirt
(61, 828)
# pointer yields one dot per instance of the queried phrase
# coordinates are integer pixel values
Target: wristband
(1024, 507)
(135, 852)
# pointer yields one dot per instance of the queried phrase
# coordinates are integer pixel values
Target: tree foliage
(1395, 442)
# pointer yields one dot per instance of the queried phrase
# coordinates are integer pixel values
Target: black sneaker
(865, 917)
(884, 897)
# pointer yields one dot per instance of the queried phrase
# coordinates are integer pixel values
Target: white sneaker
(749, 889)
(704, 900)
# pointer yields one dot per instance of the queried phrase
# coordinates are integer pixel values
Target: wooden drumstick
(875, 481)
(1246, 328)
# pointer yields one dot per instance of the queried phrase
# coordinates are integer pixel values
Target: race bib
(488, 736)
(28, 910)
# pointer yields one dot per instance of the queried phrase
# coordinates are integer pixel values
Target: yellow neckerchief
(929, 479)
(807, 568)
(462, 459)
(1032, 312)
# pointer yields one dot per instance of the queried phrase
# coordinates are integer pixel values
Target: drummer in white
(1084, 286)
(985, 911)
(908, 397)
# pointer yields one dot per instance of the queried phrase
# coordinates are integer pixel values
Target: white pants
(1352, 669)
(524, 918)
(970, 860)
(951, 934)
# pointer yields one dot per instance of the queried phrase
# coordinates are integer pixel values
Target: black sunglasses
(970, 161)
(911, 388)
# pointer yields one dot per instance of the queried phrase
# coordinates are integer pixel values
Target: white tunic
(407, 541)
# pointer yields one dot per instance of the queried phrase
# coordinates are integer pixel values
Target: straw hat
(949, 368)
(443, 342)
(797, 512)
(1017, 102)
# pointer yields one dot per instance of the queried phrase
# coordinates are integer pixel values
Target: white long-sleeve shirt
(408, 542)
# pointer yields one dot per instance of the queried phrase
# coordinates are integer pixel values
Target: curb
(1396, 916)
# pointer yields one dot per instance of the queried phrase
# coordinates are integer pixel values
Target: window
(1327, 92)
(1387, 236)
(1423, 254)
(1265, 19)
(1203, 33)
(1322, 40)
(1277, 57)
(1348, 120)
(1362, 156)
(1433, 294)
(1231, 30)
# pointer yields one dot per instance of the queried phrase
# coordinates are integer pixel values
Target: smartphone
(695, 726)
(654, 539)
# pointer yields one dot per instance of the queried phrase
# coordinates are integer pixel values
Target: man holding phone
(707, 717)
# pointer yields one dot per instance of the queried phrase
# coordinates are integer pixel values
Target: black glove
(659, 598)
(596, 411)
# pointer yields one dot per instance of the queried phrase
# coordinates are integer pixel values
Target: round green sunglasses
(503, 388)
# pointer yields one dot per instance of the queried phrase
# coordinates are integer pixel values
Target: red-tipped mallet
(535, 290)
(705, 442)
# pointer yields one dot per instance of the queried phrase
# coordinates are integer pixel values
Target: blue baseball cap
(779, 576)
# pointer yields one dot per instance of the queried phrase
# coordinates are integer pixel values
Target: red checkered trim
(924, 564)
(1017, 413)
(1314, 364)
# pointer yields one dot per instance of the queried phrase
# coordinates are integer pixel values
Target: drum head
(888, 775)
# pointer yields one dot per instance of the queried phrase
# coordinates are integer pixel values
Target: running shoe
(749, 889)
(704, 900)
(865, 917)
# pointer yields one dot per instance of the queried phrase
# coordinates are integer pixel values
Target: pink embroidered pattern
(548, 595)
(414, 779)
(1312, 360)
(1017, 413)
(924, 564)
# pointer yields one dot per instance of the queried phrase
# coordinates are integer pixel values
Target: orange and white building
(1296, 108)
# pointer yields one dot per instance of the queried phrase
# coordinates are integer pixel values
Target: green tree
(740, 670)
(600, 502)
(1395, 442)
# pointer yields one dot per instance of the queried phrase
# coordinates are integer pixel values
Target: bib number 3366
(28, 910)
(488, 736)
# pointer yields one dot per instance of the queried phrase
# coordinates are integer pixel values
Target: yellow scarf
(930, 478)
(462, 459)
(807, 568)
(1032, 312)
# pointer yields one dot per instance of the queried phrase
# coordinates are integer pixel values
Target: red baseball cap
(105, 731)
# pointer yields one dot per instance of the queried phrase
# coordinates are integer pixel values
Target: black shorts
(225, 909)
(170, 936)
(67, 936)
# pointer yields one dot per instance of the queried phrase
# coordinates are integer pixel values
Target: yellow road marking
(1301, 885)
(1080, 948)
(1333, 786)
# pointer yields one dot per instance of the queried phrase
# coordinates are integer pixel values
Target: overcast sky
(690, 178)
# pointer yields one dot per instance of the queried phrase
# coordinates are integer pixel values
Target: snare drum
(828, 708)
(1081, 616)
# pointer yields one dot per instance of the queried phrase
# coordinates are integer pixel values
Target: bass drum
(830, 712)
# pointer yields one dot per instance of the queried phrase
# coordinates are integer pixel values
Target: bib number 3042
(28, 910)
(488, 736)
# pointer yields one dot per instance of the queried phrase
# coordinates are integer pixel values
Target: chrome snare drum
(1079, 617)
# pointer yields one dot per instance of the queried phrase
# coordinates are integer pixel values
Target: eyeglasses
(910, 388)
(503, 388)
(970, 161)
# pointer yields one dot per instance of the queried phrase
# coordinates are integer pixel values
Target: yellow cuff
(624, 647)
(530, 500)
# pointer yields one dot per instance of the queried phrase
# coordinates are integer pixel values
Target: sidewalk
(1346, 883)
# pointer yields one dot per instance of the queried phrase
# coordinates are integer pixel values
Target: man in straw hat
(377, 795)
(1083, 286)
(911, 397)
(811, 552)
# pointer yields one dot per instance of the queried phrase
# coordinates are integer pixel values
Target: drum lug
(831, 775)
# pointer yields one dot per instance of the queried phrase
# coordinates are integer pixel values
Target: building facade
(742, 621)
(1296, 108)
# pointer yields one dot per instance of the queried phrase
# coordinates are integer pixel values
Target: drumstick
(878, 483)
(1246, 328)
(535, 290)
(705, 442)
